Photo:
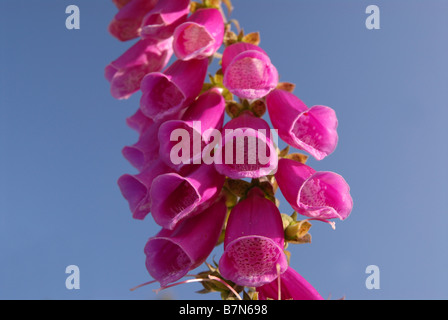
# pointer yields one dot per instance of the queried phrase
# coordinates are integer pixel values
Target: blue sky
(61, 135)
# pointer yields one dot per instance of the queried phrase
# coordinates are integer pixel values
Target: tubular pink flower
(248, 71)
(161, 21)
(235, 49)
(312, 130)
(127, 22)
(126, 73)
(146, 149)
(247, 150)
(136, 188)
(175, 197)
(172, 253)
(292, 287)
(139, 122)
(254, 241)
(165, 94)
(201, 36)
(206, 113)
(320, 195)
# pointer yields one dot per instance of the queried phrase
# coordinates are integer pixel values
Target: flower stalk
(200, 205)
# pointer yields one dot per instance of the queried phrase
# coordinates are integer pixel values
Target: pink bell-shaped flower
(254, 242)
(313, 130)
(247, 149)
(161, 21)
(175, 197)
(136, 188)
(127, 22)
(319, 195)
(172, 253)
(201, 36)
(292, 287)
(126, 73)
(248, 71)
(146, 149)
(195, 128)
(168, 93)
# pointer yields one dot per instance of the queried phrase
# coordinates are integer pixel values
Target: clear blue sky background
(61, 135)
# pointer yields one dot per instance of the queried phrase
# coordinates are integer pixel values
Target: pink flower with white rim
(247, 149)
(313, 130)
(318, 195)
(172, 253)
(248, 71)
(126, 73)
(201, 36)
(254, 242)
(168, 93)
(161, 21)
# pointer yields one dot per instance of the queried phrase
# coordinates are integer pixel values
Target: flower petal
(320, 195)
(136, 188)
(292, 287)
(247, 150)
(201, 36)
(168, 93)
(252, 261)
(315, 131)
(326, 195)
(126, 23)
(312, 130)
(254, 241)
(175, 198)
(251, 75)
(161, 22)
(172, 253)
